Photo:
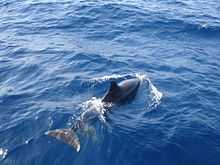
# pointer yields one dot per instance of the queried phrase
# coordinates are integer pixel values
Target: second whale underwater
(117, 93)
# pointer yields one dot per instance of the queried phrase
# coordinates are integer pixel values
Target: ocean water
(57, 58)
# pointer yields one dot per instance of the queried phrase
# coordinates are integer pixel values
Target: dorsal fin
(114, 86)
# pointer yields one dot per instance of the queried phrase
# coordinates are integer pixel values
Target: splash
(3, 153)
(140, 76)
(155, 94)
(94, 108)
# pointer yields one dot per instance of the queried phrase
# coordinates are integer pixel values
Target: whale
(116, 94)
(124, 91)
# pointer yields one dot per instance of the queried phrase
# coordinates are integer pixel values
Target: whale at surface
(121, 92)
(117, 93)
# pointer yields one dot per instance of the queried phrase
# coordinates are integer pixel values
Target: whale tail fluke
(68, 136)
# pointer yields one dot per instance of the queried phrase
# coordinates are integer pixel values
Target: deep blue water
(57, 57)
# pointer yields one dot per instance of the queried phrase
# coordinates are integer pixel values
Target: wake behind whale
(95, 109)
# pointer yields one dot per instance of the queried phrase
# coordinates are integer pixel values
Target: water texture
(56, 61)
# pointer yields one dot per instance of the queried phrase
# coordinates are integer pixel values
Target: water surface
(58, 56)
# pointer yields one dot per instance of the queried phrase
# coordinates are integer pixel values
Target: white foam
(104, 78)
(5, 90)
(155, 94)
(94, 108)
(140, 76)
(3, 153)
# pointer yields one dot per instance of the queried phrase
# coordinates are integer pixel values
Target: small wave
(208, 30)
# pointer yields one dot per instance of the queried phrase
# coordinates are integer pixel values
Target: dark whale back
(122, 91)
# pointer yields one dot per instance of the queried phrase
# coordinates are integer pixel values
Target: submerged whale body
(117, 93)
